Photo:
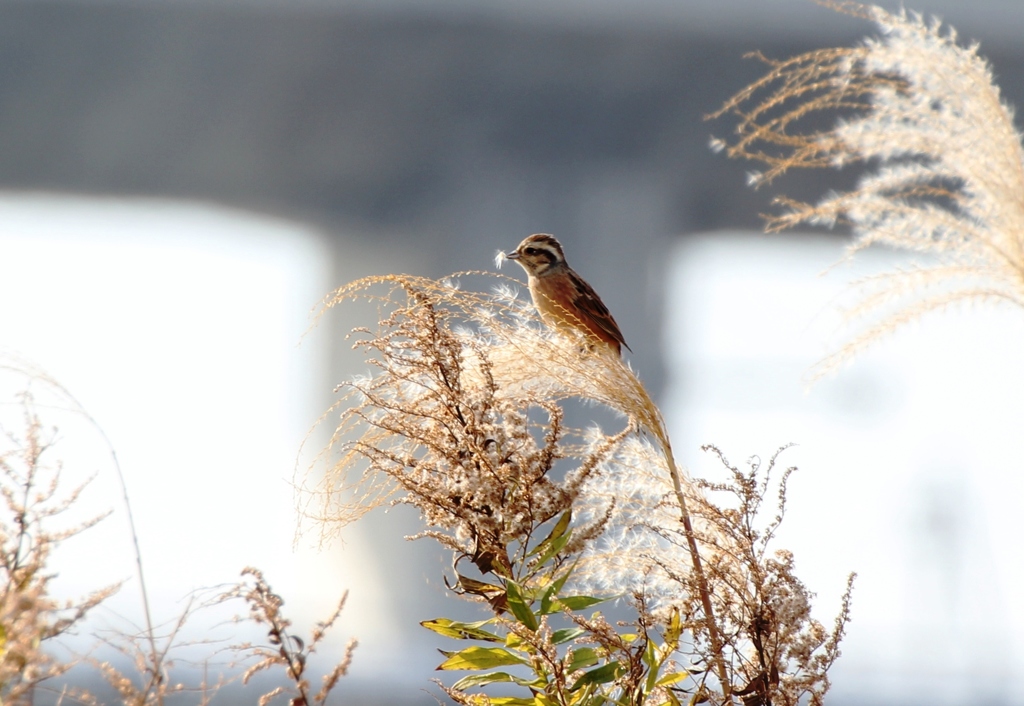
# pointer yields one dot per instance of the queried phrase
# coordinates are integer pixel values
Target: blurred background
(184, 180)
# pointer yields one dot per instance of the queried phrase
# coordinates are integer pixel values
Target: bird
(563, 299)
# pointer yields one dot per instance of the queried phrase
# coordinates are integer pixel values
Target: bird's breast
(555, 298)
(552, 298)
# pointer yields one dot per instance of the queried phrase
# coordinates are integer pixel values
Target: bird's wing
(590, 305)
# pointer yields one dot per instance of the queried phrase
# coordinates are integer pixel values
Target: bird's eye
(531, 251)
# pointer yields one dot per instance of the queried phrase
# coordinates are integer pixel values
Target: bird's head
(538, 254)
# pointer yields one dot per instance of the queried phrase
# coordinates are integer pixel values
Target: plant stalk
(698, 572)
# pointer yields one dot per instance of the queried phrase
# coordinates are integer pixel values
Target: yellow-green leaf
(579, 602)
(481, 680)
(674, 630)
(517, 604)
(560, 527)
(551, 593)
(653, 664)
(513, 641)
(602, 675)
(582, 658)
(566, 634)
(672, 678)
(461, 631)
(478, 588)
(480, 658)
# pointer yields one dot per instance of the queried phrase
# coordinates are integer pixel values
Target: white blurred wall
(909, 457)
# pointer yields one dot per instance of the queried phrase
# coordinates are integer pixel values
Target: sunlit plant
(464, 420)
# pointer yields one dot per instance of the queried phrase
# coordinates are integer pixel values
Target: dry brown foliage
(463, 420)
(467, 424)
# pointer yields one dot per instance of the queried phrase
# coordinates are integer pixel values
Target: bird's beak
(512, 255)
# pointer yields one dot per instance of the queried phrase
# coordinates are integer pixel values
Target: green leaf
(651, 660)
(602, 675)
(579, 602)
(556, 546)
(494, 595)
(551, 593)
(559, 530)
(511, 701)
(582, 658)
(566, 634)
(554, 542)
(494, 677)
(481, 680)
(461, 631)
(478, 588)
(479, 658)
(651, 655)
(517, 604)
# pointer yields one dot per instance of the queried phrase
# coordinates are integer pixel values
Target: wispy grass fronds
(944, 165)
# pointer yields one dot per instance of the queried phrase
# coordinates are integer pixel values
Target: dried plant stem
(715, 637)
(649, 416)
(702, 584)
(33, 373)
(154, 654)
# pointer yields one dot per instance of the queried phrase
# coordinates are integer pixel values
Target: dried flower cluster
(157, 674)
(467, 426)
(776, 649)
(944, 165)
(153, 677)
(765, 609)
(285, 650)
(463, 420)
(37, 501)
(30, 617)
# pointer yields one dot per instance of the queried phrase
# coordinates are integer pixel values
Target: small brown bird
(562, 298)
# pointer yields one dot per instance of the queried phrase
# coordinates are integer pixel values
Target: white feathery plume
(945, 166)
